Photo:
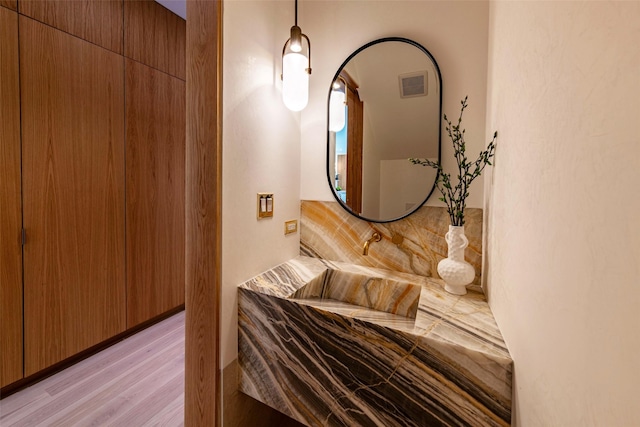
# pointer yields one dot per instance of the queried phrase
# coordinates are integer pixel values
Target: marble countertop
(449, 364)
(465, 321)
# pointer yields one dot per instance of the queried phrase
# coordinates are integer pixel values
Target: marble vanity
(336, 344)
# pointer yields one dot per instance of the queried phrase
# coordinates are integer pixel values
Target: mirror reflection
(384, 107)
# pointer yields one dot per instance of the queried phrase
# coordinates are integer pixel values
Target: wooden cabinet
(99, 22)
(10, 202)
(355, 121)
(67, 161)
(11, 4)
(155, 36)
(155, 140)
(72, 101)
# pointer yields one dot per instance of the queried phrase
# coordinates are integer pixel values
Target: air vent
(413, 84)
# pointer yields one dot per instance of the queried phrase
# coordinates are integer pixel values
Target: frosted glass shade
(337, 116)
(295, 81)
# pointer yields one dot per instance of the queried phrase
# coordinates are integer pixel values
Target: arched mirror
(384, 107)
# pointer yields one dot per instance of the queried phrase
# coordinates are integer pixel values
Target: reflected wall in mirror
(384, 107)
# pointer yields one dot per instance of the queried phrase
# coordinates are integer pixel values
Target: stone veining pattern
(329, 232)
(327, 362)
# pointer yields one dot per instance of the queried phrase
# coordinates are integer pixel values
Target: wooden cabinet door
(11, 4)
(155, 135)
(355, 109)
(155, 36)
(97, 21)
(10, 203)
(72, 101)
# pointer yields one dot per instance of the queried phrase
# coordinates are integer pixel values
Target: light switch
(265, 205)
(290, 226)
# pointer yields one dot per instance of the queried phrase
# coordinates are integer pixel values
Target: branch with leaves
(455, 196)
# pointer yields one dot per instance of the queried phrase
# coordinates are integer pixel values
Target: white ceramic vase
(454, 270)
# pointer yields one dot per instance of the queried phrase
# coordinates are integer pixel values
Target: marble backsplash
(327, 231)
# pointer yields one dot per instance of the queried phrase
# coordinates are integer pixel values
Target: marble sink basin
(334, 344)
(360, 290)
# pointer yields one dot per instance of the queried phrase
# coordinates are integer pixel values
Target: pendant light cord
(296, 12)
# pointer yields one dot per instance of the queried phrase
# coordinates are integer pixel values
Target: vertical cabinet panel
(10, 203)
(155, 36)
(355, 121)
(72, 101)
(99, 22)
(11, 4)
(155, 135)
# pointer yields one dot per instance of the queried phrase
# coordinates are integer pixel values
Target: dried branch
(455, 197)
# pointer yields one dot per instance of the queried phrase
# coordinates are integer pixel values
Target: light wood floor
(136, 382)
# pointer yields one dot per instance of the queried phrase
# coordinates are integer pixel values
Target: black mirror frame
(344, 63)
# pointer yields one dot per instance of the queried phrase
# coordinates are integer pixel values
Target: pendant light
(337, 105)
(296, 67)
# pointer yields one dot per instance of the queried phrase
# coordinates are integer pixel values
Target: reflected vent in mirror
(413, 84)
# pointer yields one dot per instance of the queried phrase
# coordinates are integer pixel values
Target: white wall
(399, 190)
(371, 154)
(261, 151)
(455, 32)
(563, 247)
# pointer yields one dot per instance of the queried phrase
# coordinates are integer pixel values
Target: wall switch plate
(265, 205)
(291, 226)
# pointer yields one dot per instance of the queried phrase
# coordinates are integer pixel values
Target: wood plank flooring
(136, 382)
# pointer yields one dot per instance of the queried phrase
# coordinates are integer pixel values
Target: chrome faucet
(376, 237)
